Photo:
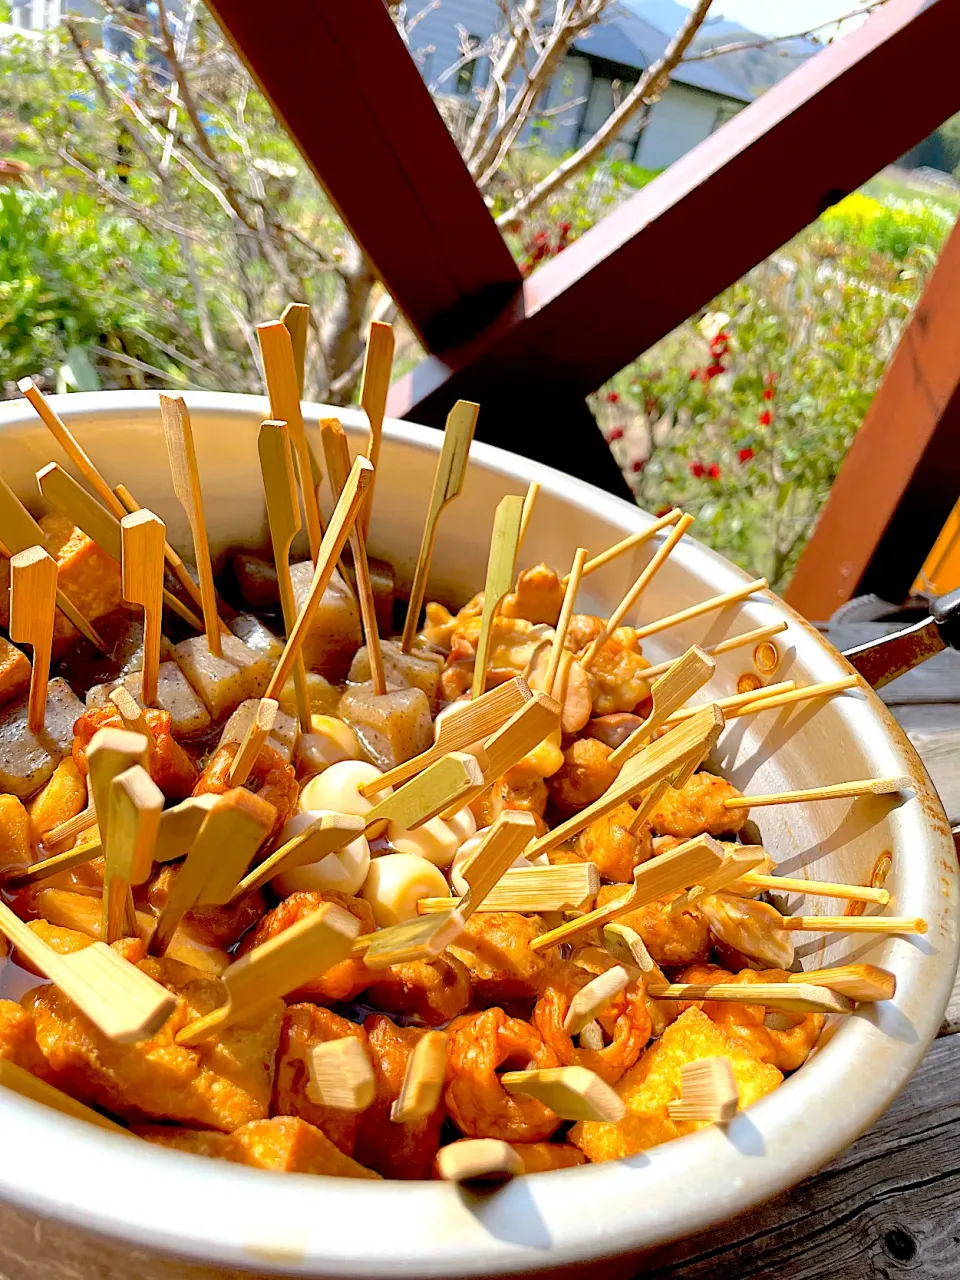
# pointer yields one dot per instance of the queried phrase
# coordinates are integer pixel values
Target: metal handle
(946, 614)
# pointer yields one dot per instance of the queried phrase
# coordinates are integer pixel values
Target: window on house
(467, 75)
(726, 111)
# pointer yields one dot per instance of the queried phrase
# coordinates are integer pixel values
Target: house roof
(634, 42)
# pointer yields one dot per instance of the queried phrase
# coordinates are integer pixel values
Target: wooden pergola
(342, 82)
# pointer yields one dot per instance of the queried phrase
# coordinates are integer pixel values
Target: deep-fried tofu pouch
(495, 947)
(64, 796)
(16, 845)
(18, 1041)
(221, 1084)
(655, 1080)
(283, 1145)
(169, 765)
(304, 1027)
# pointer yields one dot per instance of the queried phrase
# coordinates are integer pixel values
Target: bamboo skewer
(142, 540)
(853, 924)
(501, 569)
(705, 606)
(833, 791)
(685, 677)
(657, 562)
(792, 997)
(283, 517)
(737, 861)
(856, 981)
(295, 318)
(283, 391)
(531, 890)
(757, 636)
(333, 438)
(136, 803)
(33, 603)
(631, 542)
(340, 1075)
(573, 1093)
(60, 489)
(374, 385)
(708, 1091)
(70, 828)
(594, 998)
(423, 1079)
(29, 1086)
(269, 972)
(112, 752)
(730, 704)
(420, 939)
(499, 849)
(436, 788)
(447, 483)
(572, 582)
(177, 567)
(529, 502)
(762, 702)
(817, 888)
(258, 731)
(485, 1162)
(329, 834)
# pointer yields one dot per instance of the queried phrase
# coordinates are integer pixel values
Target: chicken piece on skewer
(616, 850)
(697, 809)
(618, 671)
(672, 936)
(624, 1020)
(584, 777)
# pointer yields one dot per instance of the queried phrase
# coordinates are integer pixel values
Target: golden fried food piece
(584, 777)
(752, 928)
(786, 1048)
(613, 730)
(542, 762)
(583, 630)
(434, 990)
(625, 1020)
(618, 671)
(212, 926)
(697, 809)
(67, 941)
(609, 842)
(513, 642)
(495, 947)
(169, 765)
(63, 797)
(595, 960)
(541, 1157)
(282, 1145)
(531, 797)
(655, 1080)
(395, 1150)
(440, 624)
(221, 1084)
(478, 1103)
(18, 1041)
(14, 665)
(16, 846)
(271, 778)
(306, 1025)
(538, 596)
(673, 937)
(345, 980)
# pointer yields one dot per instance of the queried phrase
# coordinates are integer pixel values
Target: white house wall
(682, 118)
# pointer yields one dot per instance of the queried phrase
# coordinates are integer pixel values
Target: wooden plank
(889, 1204)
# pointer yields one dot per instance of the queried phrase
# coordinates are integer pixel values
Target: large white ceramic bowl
(81, 1202)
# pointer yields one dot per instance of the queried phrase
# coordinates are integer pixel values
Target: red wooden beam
(901, 478)
(346, 89)
(715, 213)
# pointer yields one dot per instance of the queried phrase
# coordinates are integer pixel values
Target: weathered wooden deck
(890, 1206)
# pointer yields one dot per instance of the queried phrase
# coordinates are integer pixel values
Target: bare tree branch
(763, 42)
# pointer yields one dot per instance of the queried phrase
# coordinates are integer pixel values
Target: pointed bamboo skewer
(338, 530)
(33, 603)
(834, 791)
(572, 582)
(708, 1092)
(186, 485)
(817, 888)
(295, 318)
(447, 483)
(60, 489)
(791, 997)
(268, 972)
(283, 517)
(531, 890)
(111, 753)
(705, 606)
(136, 803)
(685, 677)
(115, 503)
(340, 1075)
(142, 541)
(497, 851)
(486, 1162)
(72, 827)
(529, 502)
(856, 981)
(29, 1086)
(853, 924)
(630, 543)
(283, 391)
(423, 1079)
(374, 385)
(329, 834)
(732, 703)
(134, 718)
(116, 996)
(19, 532)
(442, 785)
(656, 563)
(258, 731)
(758, 636)
(573, 1093)
(501, 570)
(177, 567)
(762, 702)
(594, 998)
(737, 861)
(333, 440)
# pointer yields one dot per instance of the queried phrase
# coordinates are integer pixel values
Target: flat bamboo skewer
(116, 996)
(283, 517)
(737, 861)
(333, 439)
(19, 532)
(329, 834)
(671, 691)
(338, 530)
(629, 543)
(177, 567)
(70, 828)
(447, 483)
(33, 603)
(142, 541)
(573, 1093)
(111, 753)
(136, 803)
(594, 998)
(572, 582)
(60, 489)
(731, 703)
(762, 702)
(708, 1092)
(29, 1086)
(651, 570)
(117, 503)
(420, 939)
(481, 1161)
(436, 788)
(792, 997)
(501, 569)
(817, 888)
(374, 385)
(472, 722)
(499, 849)
(529, 502)
(853, 924)
(283, 391)
(258, 731)
(834, 791)
(757, 636)
(705, 606)
(295, 318)
(186, 485)
(423, 1079)
(857, 981)
(269, 972)
(530, 890)
(340, 1075)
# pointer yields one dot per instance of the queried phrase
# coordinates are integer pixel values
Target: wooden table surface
(890, 1206)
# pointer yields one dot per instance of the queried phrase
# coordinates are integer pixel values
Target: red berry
(637, 465)
(613, 397)
(768, 393)
(713, 471)
(615, 433)
(697, 470)
(745, 455)
(662, 511)
(766, 417)
(770, 379)
(713, 370)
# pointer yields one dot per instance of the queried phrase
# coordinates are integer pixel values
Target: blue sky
(781, 17)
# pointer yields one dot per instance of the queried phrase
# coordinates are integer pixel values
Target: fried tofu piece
(16, 843)
(283, 736)
(14, 671)
(495, 947)
(335, 634)
(221, 1084)
(223, 683)
(213, 926)
(86, 573)
(304, 1026)
(697, 808)
(72, 921)
(18, 1041)
(188, 716)
(64, 796)
(169, 765)
(434, 990)
(395, 1150)
(655, 1080)
(27, 760)
(392, 727)
(282, 1145)
(419, 669)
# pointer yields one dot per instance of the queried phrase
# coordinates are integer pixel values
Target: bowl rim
(230, 1216)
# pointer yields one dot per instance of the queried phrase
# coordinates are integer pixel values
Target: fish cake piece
(495, 947)
(189, 718)
(223, 683)
(404, 1150)
(335, 634)
(616, 850)
(16, 835)
(28, 760)
(223, 1083)
(673, 937)
(257, 637)
(697, 809)
(284, 1144)
(655, 1080)
(14, 671)
(433, 990)
(304, 1026)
